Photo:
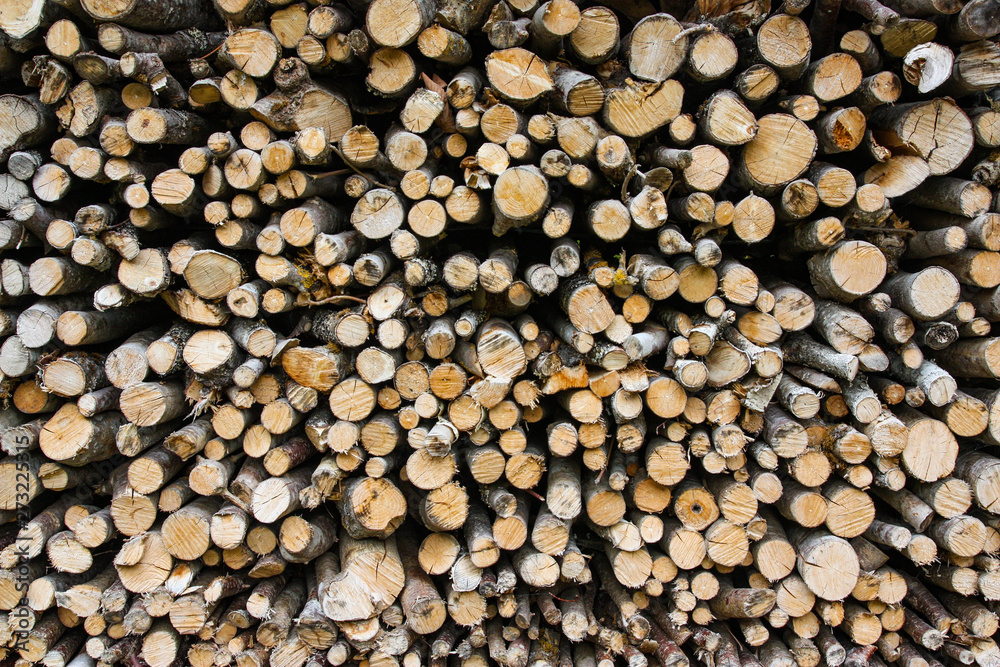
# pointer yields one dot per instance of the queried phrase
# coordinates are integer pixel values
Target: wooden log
(761, 168)
(958, 148)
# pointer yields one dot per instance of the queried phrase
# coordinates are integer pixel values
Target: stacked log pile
(474, 332)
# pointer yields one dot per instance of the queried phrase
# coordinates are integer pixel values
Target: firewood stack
(498, 332)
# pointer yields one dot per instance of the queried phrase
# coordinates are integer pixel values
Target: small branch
(334, 299)
(359, 172)
(887, 230)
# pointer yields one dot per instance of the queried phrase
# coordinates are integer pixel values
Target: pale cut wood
(493, 365)
(904, 116)
(781, 152)
(654, 54)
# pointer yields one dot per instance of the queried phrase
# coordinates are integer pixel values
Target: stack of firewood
(499, 332)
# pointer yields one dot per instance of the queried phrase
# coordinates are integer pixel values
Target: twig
(887, 230)
(701, 27)
(334, 299)
(359, 172)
